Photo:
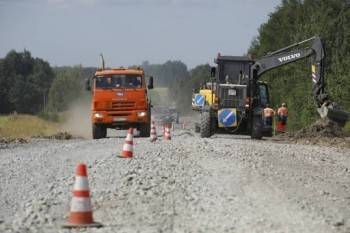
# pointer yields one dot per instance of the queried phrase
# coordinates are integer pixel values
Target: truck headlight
(98, 115)
(141, 114)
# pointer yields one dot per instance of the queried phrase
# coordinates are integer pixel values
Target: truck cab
(120, 101)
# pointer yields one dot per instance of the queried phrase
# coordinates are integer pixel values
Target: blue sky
(71, 32)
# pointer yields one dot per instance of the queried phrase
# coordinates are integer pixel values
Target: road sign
(199, 100)
(227, 117)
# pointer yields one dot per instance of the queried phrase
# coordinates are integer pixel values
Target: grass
(25, 126)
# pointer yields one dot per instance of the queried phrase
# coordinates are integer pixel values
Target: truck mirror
(87, 84)
(212, 72)
(150, 82)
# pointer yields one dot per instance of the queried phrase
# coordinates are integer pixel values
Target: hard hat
(283, 104)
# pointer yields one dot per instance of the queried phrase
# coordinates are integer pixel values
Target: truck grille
(232, 101)
(113, 114)
(118, 105)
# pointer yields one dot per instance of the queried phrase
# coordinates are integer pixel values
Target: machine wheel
(213, 125)
(256, 128)
(145, 130)
(197, 127)
(177, 118)
(205, 129)
(270, 133)
(98, 131)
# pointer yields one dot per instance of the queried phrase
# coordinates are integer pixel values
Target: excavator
(239, 97)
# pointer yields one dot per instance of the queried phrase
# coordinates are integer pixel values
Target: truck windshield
(118, 81)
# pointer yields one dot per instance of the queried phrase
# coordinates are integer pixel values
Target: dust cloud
(77, 119)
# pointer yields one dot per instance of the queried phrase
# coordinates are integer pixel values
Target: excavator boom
(325, 107)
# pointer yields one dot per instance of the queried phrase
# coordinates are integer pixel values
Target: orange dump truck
(120, 101)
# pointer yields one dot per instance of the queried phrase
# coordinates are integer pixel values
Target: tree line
(30, 85)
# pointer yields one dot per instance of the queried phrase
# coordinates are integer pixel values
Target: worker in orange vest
(268, 115)
(282, 114)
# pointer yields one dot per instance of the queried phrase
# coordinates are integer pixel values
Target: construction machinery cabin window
(234, 72)
(264, 95)
(118, 81)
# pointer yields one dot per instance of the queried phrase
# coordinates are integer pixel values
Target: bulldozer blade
(335, 115)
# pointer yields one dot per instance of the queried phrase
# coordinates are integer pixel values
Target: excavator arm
(284, 56)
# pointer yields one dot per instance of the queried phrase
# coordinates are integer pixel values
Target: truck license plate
(231, 92)
(119, 119)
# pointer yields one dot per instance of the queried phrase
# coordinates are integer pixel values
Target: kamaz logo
(289, 57)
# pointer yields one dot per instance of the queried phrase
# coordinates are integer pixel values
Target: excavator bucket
(335, 115)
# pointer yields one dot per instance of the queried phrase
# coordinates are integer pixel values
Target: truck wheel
(205, 131)
(98, 131)
(145, 130)
(256, 128)
(104, 132)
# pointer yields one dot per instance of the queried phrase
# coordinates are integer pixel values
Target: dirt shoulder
(319, 133)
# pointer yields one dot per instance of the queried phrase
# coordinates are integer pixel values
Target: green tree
(24, 82)
(66, 87)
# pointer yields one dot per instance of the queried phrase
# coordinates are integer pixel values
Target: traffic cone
(153, 132)
(81, 211)
(167, 135)
(128, 145)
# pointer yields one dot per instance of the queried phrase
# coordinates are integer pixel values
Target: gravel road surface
(223, 184)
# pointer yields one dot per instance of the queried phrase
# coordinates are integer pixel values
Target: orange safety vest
(268, 112)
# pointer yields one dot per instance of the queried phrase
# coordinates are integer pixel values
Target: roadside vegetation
(16, 126)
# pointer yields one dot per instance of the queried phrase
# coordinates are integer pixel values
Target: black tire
(213, 125)
(197, 127)
(270, 133)
(145, 130)
(256, 128)
(205, 130)
(104, 132)
(98, 131)
(177, 118)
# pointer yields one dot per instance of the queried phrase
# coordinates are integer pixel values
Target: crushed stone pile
(321, 128)
(322, 132)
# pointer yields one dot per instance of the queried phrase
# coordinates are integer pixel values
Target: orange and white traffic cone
(153, 132)
(167, 135)
(81, 210)
(128, 145)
